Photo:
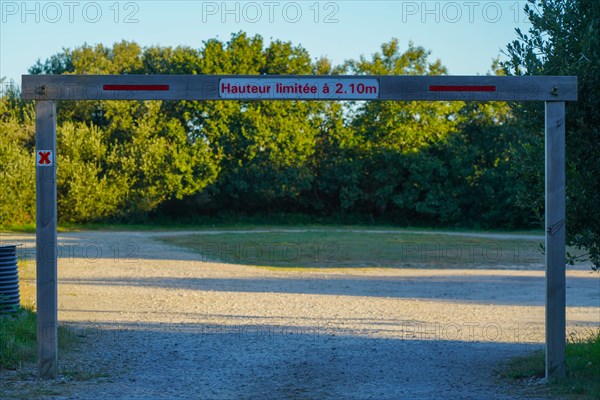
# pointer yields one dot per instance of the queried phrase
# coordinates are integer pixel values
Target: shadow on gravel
(485, 289)
(278, 362)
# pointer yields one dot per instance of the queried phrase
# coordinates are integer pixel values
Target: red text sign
(302, 89)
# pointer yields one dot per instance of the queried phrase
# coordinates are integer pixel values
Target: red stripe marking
(135, 87)
(462, 88)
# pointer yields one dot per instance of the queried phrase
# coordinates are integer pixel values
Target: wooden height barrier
(46, 89)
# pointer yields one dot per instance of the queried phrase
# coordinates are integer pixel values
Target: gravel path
(164, 324)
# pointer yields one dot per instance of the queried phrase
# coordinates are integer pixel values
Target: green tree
(392, 140)
(412, 162)
(125, 158)
(86, 192)
(395, 125)
(265, 148)
(564, 39)
(17, 162)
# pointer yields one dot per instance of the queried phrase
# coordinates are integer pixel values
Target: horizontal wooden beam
(298, 87)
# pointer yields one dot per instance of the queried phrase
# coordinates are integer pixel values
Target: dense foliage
(435, 163)
(564, 39)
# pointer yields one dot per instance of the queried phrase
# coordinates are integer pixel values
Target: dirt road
(165, 324)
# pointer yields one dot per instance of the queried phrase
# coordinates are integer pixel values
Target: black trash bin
(9, 279)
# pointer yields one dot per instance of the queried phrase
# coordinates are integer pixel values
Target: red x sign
(44, 158)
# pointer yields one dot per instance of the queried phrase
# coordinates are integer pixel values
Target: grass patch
(583, 365)
(347, 248)
(253, 222)
(18, 338)
(23, 228)
(18, 344)
(583, 368)
(531, 365)
(18, 331)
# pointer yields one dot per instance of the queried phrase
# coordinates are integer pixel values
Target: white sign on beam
(301, 89)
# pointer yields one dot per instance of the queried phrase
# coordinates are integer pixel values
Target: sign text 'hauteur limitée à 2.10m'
(301, 89)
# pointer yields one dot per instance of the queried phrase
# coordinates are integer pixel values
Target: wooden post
(46, 240)
(555, 241)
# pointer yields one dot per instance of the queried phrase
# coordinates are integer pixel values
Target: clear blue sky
(466, 35)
